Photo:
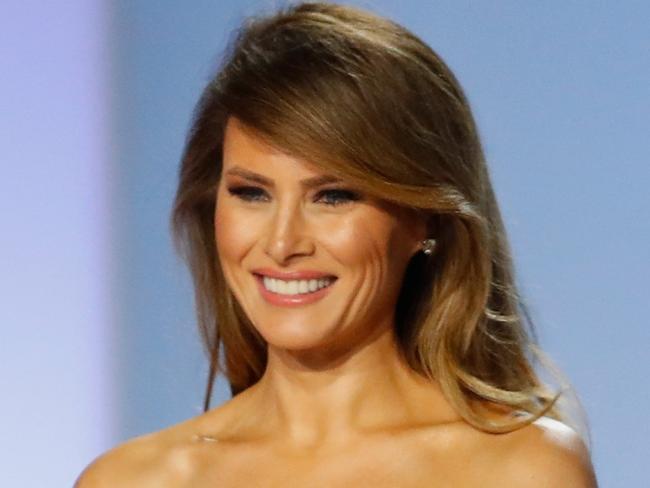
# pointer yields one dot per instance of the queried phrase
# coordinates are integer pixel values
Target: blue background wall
(561, 94)
(58, 404)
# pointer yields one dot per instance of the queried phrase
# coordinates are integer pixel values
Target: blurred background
(98, 340)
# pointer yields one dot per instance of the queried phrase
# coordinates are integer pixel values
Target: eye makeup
(331, 197)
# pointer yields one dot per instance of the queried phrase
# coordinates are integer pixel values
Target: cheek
(362, 240)
(231, 235)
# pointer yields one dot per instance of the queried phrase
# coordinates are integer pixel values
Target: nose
(287, 234)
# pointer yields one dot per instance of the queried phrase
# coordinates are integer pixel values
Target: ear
(419, 228)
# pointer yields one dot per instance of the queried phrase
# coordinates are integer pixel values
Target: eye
(332, 197)
(247, 193)
(338, 196)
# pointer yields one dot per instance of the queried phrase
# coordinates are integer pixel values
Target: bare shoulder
(169, 457)
(130, 464)
(163, 458)
(546, 453)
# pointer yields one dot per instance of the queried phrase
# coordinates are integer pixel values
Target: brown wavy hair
(364, 99)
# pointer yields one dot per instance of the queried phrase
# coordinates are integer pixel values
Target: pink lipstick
(297, 300)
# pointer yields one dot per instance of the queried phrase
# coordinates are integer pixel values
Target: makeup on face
(305, 254)
(298, 287)
(293, 293)
(252, 187)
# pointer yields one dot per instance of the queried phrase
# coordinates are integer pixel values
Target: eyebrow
(312, 182)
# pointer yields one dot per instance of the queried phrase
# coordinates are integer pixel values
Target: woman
(353, 278)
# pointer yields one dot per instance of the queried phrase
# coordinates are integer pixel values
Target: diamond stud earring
(428, 245)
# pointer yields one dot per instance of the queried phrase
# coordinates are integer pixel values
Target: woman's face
(274, 217)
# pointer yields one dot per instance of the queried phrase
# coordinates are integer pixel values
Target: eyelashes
(331, 197)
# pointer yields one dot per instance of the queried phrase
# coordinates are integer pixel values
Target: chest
(375, 466)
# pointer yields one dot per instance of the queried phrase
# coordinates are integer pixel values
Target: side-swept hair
(364, 99)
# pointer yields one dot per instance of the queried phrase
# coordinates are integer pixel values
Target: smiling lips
(292, 275)
(294, 288)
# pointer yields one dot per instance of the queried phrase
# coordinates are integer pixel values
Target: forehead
(243, 148)
(244, 151)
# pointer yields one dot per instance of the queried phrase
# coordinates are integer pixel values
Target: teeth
(303, 286)
(295, 287)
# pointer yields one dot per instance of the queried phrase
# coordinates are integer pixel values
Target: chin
(293, 337)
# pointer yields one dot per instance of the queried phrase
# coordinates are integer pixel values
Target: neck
(311, 400)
